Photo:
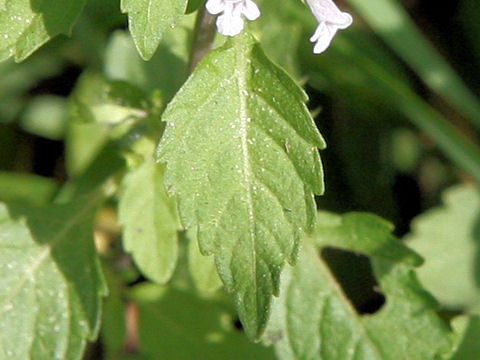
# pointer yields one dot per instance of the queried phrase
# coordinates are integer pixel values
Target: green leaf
(242, 159)
(26, 188)
(113, 329)
(178, 325)
(448, 237)
(148, 20)
(468, 332)
(28, 24)
(313, 319)
(91, 125)
(17, 80)
(97, 99)
(46, 116)
(202, 268)
(166, 70)
(51, 284)
(150, 222)
(364, 233)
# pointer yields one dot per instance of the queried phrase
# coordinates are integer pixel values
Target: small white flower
(330, 19)
(230, 23)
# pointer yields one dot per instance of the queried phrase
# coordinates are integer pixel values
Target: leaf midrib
(241, 73)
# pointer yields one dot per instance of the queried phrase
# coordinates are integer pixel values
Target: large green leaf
(448, 237)
(313, 319)
(25, 25)
(242, 159)
(51, 283)
(150, 222)
(178, 325)
(148, 20)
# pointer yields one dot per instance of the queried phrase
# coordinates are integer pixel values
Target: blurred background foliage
(395, 97)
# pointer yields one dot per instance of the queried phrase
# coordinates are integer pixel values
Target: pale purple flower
(330, 19)
(231, 23)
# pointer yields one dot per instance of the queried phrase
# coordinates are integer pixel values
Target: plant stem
(203, 37)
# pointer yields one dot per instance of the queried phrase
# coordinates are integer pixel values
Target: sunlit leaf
(51, 283)
(148, 20)
(448, 238)
(313, 318)
(150, 222)
(25, 25)
(242, 159)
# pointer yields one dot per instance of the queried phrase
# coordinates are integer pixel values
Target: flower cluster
(330, 18)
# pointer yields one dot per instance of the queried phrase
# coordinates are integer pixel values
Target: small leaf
(176, 324)
(148, 20)
(242, 159)
(25, 25)
(51, 283)
(150, 222)
(448, 237)
(165, 71)
(46, 116)
(97, 99)
(202, 268)
(313, 319)
(91, 125)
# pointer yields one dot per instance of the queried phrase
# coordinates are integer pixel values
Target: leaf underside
(25, 25)
(150, 223)
(51, 287)
(242, 160)
(448, 238)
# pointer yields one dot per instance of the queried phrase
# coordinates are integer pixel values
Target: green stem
(449, 139)
(456, 146)
(203, 37)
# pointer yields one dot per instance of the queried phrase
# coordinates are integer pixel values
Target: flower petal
(323, 36)
(326, 10)
(345, 22)
(229, 25)
(251, 10)
(330, 20)
(215, 7)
